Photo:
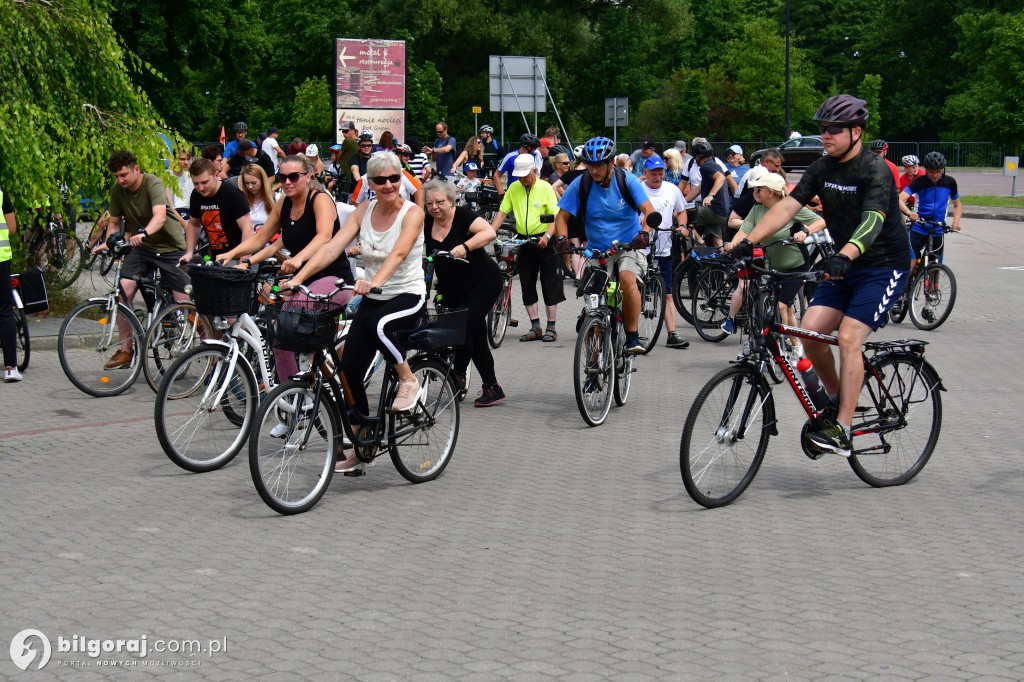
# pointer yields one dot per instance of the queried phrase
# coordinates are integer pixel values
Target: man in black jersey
(861, 208)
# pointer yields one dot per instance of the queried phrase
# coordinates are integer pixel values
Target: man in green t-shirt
(139, 208)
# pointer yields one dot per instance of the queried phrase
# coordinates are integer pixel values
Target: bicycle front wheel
(652, 311)
(61, 255)
(726, 436)
(592, 372)
(89, 337)
(682, 277)
(885, 453)
(421, 442)
(205, 408)
(932, 298)
(292, 449)
(24, 347)
(710, 304)
(499, 316)
(176, 329)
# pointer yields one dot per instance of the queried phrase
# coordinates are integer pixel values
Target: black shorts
(532, 261)
(919, 241)
(139, 261)
(791, 287)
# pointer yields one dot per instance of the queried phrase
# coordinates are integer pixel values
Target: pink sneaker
(406, 398)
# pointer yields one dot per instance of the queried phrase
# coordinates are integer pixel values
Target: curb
(993, 215)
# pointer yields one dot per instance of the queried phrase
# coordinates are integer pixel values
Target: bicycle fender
(216, 342)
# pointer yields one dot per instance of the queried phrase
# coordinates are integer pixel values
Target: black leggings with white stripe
(373, 329)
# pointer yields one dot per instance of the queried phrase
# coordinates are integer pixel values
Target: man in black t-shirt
(218, 207)
(871, 267)
(713, 210)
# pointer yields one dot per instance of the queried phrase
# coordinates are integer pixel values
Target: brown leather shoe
(120, 360)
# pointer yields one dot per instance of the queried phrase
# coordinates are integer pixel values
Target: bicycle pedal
(513, 323)
(359, 471)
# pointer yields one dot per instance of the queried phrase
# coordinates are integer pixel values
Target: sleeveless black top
(297, 235)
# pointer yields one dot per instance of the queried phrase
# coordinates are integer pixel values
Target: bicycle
(94, 328)
(652, 297)
(292, 470)
(462, 387)
(20, 324)
(499, 318)
(55, 248)
(931, 292)
(896, 423)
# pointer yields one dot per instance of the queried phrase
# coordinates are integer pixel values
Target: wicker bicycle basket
(437, 330)
(303, 326)
(221, 291)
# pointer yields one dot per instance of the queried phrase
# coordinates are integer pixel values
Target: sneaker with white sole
(11, 374)
(408, 392)
(729, 326)
(832, 438)
(281, 429)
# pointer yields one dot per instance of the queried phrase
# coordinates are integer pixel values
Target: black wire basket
(437, 330)
(303, 326)
(221, 291)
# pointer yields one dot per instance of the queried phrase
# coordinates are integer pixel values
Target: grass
(1000, 202)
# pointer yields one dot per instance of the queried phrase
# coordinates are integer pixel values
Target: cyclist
(870, 268)
(935, 191)
(609, 215)
(217, 207)
(528, 144)
(492, 150)
(357, 162)
(911, 169)
(881, 147)
(713, 208)
(231, 148)
(8, 331)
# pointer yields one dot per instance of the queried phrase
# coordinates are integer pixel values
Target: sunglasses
(366, 144)
(288, 177)
(834, 129)
(381, 179)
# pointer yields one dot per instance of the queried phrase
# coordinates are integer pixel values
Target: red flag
(222, 134)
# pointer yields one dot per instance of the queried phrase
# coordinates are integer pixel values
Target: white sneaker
(281, 429)
(11, 374)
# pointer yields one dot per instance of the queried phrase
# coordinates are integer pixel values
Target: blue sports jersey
(609, 216)
(933, 198)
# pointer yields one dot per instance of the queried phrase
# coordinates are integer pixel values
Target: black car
(796, 154)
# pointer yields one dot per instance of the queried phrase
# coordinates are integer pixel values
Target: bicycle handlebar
(932, 223)
(444, 255)
(339, 285)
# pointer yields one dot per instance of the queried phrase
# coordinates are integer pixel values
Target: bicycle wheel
(498, 317)
(682, 278)
(623, 367)
(592, 372)
(89, 337)
(176, 329)
(931, 301)
(292, 470)
(24, 347)
(421, 442)
(61, 255)
(710, 305)
(652, 310)
(202, 413)
(726, 436)
(903, 452)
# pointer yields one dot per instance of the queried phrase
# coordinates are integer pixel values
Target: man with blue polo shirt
(611, 216)
(528, 144)
(935, 190)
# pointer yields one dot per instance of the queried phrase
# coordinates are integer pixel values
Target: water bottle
(612, 294)
(813, 385)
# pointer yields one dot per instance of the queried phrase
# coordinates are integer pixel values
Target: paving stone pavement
(548, 550)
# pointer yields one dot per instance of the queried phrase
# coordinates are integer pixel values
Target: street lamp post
(787, 70)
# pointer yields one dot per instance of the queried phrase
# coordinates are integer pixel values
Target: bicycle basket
(221, 291)
(593, 281)
(437, 330)
(303, 326)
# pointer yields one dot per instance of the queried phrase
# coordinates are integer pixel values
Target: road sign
(478, 110)
(616, 112)
(1010, 165)
(370, 74)
(517, 83)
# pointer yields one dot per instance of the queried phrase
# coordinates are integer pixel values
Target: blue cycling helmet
(470, 166)
(598, 150)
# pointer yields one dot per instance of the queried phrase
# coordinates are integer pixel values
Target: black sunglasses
(291, 177)
(833, 129)
(381, 179)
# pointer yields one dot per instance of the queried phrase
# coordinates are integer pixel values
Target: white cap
(772, 181)
(524, 164)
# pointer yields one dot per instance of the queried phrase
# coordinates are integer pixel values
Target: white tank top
(375, 248)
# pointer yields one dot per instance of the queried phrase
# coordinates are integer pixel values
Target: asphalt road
(547, 550)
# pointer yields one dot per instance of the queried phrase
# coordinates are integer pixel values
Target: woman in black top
(306, 219)
(474, 285)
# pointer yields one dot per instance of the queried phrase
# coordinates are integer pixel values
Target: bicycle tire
(24, 343)
(292, 472)
(87, 339)
(63, 253)
(652, 311)
(932, 298)
(176, 329)
(499, 316)
(194, 434)
(592, 370)
(682, 281)
(716, 473)
(710, 304)
(623, 367)
(915, 386)
(421, 442)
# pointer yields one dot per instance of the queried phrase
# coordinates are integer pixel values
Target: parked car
(796, 154)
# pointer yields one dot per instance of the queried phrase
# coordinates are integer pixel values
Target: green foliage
(313, 116)
(67, 100)
(870, 90)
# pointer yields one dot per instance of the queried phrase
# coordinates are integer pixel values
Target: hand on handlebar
(291, 265)
(362, 287)
(838, 266)
(745, 249)
(562, 244)
(641, 241)
(137, 239)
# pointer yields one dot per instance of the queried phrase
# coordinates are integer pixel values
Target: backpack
(586, 181)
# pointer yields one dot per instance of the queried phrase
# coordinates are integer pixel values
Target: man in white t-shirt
(667, 200)
(271, 148)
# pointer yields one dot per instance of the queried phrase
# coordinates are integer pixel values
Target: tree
(67, 100)
(313, 116)
(870, 91)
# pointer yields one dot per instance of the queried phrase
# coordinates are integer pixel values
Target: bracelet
(466, 247)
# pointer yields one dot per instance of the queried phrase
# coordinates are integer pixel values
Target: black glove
(641, 241)
(562, 244)
(838, 266)
(744, 249)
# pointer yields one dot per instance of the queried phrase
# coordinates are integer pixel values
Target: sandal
(550, 335)
(532, 335)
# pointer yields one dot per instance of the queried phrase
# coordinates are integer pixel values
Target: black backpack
(586, 181)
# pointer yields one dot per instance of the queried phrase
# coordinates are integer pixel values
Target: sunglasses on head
(381, 179)
(833, 129)
(288, 177)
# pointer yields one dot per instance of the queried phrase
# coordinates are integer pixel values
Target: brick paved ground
(548, 550)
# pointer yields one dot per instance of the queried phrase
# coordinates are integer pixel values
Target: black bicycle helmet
(879, 144)
(366, 136)
(843, 109)
(934, 161)
(240, 126)
(528, 140)
(702, 150)
(598, 150)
